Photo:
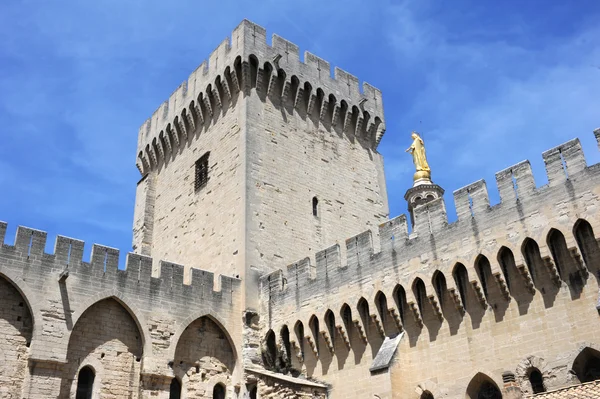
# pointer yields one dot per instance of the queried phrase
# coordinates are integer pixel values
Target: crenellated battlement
(67, 260)
(481, 230)
(244, 62)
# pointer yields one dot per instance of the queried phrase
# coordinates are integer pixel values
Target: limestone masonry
(261, 175)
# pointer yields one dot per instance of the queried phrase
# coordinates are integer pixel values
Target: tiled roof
(589, 390)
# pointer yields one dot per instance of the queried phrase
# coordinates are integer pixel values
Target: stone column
(511, 389)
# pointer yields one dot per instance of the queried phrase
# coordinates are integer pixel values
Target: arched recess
(16, 332)
(588, 246)
(269, 351)
(439, 284)
(134, 312)
(483, 387)
(426, 395)
(401, 303)
(330, 324)
(287, 346)
(420, 294)
(315, 331)
(253, 70)
(107, 337)
(536, 380)
(461, 279)
(299, 332)
(203, 353)
(346, 315)
(565, 263)
(586, 365)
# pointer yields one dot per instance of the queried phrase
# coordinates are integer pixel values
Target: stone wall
(280, 131)
(60, 314)
(502, 284)
(16, 328)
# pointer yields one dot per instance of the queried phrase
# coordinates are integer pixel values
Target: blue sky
(487, 83)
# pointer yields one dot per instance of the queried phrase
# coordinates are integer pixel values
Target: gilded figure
(417, 150)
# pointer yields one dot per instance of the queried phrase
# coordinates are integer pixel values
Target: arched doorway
(175, 389)
(107, 337)
(85, 383)
(203, 353)
(219, 391)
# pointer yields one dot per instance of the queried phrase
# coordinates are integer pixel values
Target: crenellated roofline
(245, 62)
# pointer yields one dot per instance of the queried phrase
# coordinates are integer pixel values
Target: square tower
(259, 160)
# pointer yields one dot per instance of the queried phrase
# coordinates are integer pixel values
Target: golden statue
(417, 149)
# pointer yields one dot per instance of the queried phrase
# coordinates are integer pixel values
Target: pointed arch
(300, 334)
(116, 345)
(558, 248)
(382, 306)
(439, 284)
(284, 333)
(268, 74)
(484, 272)
(533, 258)
(346, 315)
(426, 395)
(420, 293)
(253, 61)
(401, 302)
(313, 324)
(203, 352)
(330, 324)
(483, 387)
(363, 310)
(461, 279)
(588, 245)
(506, 259)
(269, 353)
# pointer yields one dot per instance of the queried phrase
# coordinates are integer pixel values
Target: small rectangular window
(201, 172)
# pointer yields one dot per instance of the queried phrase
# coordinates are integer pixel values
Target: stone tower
(257, 160)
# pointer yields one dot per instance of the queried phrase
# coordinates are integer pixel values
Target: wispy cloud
(488, 85)
(488, 99)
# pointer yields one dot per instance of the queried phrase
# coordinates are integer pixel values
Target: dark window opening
(537, 381)
(314, 326)
(175, 390)
(382, 306)
(401, 298)
(440, 287)
(347, 317)
(426, 395)
(489, 391)
(85, 383)
(587, 365)
(420, 291)
(253, 392)
(287, 345)
(219, 391)
(315, 207)
(461, 277)
(483, 277)
(201, 172)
